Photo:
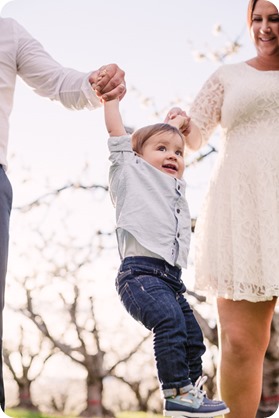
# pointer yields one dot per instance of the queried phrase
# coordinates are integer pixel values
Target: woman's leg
(244, 332)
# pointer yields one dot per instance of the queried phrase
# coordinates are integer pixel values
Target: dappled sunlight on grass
(24, 413)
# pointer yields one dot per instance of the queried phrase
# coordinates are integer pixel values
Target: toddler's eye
(162, 148)
(180, 153)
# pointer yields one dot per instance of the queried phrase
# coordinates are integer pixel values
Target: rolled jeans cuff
(168, 393)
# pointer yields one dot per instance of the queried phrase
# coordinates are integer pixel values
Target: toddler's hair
(140, 136)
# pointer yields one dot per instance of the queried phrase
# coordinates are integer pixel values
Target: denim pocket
(122, 275)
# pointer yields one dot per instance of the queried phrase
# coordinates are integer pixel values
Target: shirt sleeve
(50, 79)
(120, 148)
(206, 108)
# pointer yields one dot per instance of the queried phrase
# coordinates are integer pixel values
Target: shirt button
(178, 210)
(178, 235)
(178, 187)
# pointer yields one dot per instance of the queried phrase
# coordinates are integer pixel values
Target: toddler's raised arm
(113, 118)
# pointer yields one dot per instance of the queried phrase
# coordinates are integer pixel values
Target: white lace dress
(237, 232)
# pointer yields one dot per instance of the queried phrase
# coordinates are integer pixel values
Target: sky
(153, 41)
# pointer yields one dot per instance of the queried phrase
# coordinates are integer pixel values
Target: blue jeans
(152, 292)
(5, 209)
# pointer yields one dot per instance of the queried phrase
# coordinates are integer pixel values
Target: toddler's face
(165, 151)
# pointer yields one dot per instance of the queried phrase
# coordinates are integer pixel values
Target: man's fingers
(108, 82)
(109, 77)
(117, 92)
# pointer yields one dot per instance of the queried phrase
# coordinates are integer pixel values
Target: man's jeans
(152, 292)
(5, 209)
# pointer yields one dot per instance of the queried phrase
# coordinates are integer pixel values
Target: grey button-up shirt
(150, 205)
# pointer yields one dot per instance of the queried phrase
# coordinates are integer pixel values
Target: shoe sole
(187, 416)
(180, 414)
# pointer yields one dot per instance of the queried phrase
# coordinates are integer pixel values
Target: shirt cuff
(93, 101)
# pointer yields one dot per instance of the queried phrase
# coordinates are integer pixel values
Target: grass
(129, 414)
(23, 413)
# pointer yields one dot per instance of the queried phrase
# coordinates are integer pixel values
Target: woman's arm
(191, 133)
(193, 140)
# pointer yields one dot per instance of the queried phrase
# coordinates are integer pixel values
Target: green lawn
(24, 413)
(21, 413)
(138, 415)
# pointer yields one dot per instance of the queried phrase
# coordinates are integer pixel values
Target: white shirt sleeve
(50, 79)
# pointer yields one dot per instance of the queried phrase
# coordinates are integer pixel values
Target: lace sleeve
(206, 108)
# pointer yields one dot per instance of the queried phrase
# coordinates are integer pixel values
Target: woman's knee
(243, 331)
(237, 343)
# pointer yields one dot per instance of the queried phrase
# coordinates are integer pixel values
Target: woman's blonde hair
(140, 136)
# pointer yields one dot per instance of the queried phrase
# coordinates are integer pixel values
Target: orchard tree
(26, 362)
(60, 295)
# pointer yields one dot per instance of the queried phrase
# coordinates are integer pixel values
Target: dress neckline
(259, 71)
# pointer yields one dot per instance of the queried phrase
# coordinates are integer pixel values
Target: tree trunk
(25, 400)
(95, 407)
(94, 401)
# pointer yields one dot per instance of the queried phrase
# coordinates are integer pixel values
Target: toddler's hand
(173, 112)
(183, 123)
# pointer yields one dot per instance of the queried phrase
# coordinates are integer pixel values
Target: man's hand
(108, 82)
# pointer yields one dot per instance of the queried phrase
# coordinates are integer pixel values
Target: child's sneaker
(194, 404)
